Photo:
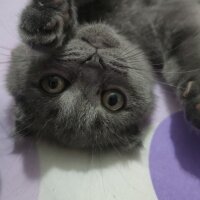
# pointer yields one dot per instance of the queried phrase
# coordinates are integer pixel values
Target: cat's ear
(47, 25)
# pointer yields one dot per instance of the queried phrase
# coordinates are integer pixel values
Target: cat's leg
(186, 80)
(48, 24)
(182, 58)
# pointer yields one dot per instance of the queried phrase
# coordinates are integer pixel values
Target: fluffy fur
(97, 46)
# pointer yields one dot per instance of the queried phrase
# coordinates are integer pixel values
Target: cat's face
(91, 94)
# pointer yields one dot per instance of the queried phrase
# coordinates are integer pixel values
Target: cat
(84, 73)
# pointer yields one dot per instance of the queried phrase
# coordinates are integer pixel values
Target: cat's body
(108, 76)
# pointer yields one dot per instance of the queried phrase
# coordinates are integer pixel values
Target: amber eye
(54, 84)
(113, 100)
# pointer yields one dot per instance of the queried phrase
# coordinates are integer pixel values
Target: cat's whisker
(20, 132)
(39, 134)
(115, 148)
(166, 72)
(160, 82)
(121, 139)
(130, 51)
(143, 78)
(132, 55)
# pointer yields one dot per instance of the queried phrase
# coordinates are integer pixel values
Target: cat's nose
(93, 69)
(93, 58)
(95, 61)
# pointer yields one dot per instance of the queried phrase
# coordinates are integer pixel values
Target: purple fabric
(175, 160)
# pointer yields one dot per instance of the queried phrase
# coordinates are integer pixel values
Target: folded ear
(47, 25)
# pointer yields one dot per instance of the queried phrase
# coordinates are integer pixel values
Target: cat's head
(91, 94)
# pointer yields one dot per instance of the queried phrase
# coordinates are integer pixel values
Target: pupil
(53, 83)
(113, 100)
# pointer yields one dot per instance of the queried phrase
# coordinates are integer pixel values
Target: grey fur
(120, 52)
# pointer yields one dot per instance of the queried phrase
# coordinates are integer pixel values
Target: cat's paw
(47, 24)
(191, 95)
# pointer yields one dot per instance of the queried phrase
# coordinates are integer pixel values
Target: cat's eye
(113, 100)
(54, 84)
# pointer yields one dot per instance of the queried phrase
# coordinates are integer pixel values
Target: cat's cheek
(175, 160)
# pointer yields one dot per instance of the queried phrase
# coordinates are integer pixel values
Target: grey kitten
(89, 85)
